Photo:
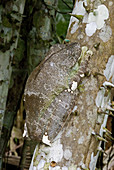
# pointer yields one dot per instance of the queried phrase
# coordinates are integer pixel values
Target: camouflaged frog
(50, 91)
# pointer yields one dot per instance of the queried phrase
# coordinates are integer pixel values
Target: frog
(51, 90)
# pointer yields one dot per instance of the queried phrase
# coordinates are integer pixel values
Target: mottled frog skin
(47, 100)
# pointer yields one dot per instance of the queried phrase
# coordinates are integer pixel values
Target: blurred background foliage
(46, 24)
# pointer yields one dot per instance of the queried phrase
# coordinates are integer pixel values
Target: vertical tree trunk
(10, 21)
(24, 40)
(77, 145)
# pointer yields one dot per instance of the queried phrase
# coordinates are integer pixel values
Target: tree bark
(11, 18)
(24, 40)
(77, 145)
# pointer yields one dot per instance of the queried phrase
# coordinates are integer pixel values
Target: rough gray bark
(22, 50)
(77, 145)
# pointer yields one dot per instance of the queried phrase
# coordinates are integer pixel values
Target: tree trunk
(10, 21)
(26, 33)
(78, 144)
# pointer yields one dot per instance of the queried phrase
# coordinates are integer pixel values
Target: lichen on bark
(79, 137)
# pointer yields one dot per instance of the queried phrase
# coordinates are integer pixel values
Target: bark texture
(77, 145)
(11, 14)
(27, 30)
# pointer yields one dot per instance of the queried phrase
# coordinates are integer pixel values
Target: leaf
(80, 17)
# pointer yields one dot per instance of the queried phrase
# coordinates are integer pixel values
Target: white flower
(90, 28)
(109, 71)
(79, 8)
(96, 19)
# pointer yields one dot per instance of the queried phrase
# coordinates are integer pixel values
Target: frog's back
(47, 100)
